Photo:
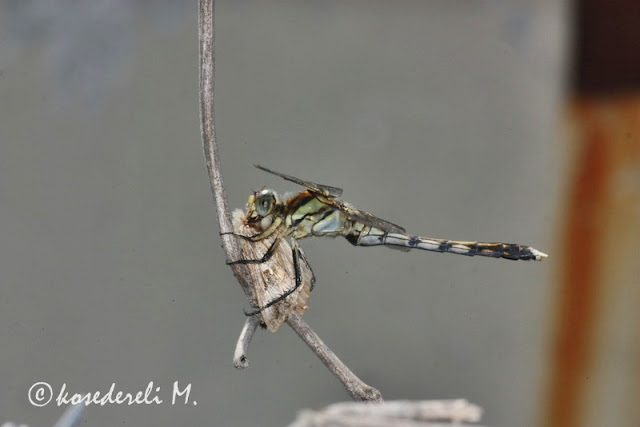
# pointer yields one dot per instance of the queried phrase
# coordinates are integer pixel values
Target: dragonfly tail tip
(538, 255)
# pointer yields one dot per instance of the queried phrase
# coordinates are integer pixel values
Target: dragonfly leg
(304, 258)
(260, 236)
(266, 257)
(295, 252)
(254, 238)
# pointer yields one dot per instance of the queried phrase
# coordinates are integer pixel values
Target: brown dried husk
(273, 277)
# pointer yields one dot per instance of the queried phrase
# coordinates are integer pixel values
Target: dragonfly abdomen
(512, 251)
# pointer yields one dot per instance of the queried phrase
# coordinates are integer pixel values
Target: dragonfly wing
(325, 190)
(329, 195)
(368, 219)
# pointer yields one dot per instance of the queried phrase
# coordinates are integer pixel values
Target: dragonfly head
(261, 207)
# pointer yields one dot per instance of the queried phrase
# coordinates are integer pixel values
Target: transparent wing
(367, 218)
(329, 195)
(325, 190)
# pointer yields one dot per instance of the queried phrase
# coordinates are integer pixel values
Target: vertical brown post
(594, 378)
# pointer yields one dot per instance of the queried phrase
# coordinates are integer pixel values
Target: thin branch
(71, 416)
(405, 413)
(357, 389)
(207, 129)
(240, 360)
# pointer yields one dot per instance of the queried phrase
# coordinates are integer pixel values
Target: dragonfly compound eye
(265, 202)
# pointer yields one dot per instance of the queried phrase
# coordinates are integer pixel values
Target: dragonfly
(318, 211)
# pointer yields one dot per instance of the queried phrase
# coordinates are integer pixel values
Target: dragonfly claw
(250, 313)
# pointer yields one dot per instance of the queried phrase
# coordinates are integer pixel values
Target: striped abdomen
(375, 237)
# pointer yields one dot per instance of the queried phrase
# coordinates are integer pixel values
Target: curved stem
(357, 389)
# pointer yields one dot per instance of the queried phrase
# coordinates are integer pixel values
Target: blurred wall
(440, 116)
(594, 378)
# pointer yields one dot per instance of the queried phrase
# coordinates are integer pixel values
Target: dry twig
(398, 413)
(71, 416)
(242, 346)
(357, 389)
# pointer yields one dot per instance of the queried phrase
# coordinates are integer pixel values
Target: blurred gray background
(441, 116)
